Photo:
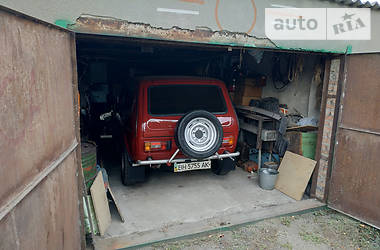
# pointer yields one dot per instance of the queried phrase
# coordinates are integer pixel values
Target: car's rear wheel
(130, 175)
(199, 134)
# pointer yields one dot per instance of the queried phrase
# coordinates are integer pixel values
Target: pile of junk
(100, 132)
(276, 146)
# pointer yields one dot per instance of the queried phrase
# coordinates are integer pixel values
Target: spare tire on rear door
(199, 134)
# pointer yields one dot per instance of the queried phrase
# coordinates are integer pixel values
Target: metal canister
(89, 162)
(271, 164)
(267, 178)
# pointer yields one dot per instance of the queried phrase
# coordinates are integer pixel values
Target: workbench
(261, 116)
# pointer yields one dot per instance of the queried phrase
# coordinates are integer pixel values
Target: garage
(72, 88)
(165, 204)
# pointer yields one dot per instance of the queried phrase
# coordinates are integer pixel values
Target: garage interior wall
(304, 94)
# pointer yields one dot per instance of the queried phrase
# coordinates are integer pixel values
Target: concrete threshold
(171, 205)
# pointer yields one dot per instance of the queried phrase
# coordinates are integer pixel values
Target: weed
(368, 236)
(322, 212)
(287, 245)
(326, 227)
(312, 237)
(286, 221)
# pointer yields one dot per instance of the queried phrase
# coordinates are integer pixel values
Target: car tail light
(150, 146)
(228, 140)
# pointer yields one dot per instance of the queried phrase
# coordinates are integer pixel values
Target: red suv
(187, 123)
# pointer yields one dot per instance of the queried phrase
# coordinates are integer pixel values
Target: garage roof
(360, 3)
(141, 19)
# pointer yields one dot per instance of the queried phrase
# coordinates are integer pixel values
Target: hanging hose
(283, 79)
(277, 75)
(292, 68)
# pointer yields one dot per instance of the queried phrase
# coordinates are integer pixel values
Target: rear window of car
(181, 99)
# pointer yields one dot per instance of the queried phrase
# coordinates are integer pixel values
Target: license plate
(182, 167)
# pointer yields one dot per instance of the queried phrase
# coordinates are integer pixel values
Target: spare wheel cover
(199, 134)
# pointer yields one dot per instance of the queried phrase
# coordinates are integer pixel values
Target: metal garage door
(38, 141)
(355, 180)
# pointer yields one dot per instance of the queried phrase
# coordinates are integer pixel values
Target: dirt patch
(323, 229)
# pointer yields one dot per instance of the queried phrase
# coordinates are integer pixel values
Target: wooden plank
(116, 204)
(100, 201)
(295, 171)
(253, 116)
(260, 111)
(306, 128)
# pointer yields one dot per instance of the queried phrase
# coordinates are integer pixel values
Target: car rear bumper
(170, 161)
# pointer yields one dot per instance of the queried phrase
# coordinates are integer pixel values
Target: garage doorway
(171, 204)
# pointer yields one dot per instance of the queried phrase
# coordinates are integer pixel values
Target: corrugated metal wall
(38, 158)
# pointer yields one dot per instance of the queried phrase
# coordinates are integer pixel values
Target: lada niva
(186, 123)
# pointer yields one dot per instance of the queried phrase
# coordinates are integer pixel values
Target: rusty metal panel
(355, 175)
(48, 217)
(38, 164)
(362, 93)
(36, 107)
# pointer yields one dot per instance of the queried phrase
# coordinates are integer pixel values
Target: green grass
(287, 245)
(323, 228)
(316, 238)
(287, 220)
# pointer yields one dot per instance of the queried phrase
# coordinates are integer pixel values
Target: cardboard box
(259, 81)
(245, 100)
(250, 82)
(248, 89)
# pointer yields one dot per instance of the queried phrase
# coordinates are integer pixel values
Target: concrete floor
(170, 205)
